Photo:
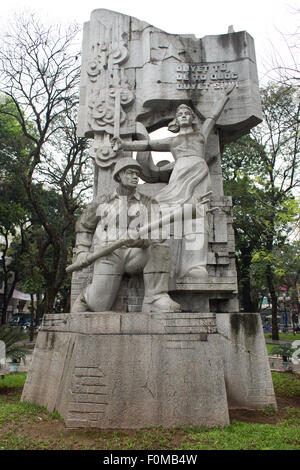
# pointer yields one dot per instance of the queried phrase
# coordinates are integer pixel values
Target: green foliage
(13, 381)
(285, 351)
(24, 238)
(261, 171)
(14, 145)
(14, 210)
(31, 279)
(247, 157)
(269, 348)
(13, 206)
(288, 267)
(285, 384)
(12, 337)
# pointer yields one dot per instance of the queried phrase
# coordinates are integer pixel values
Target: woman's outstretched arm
(211, 120)
(161, 145)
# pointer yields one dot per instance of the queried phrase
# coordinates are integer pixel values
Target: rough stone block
(149, 370)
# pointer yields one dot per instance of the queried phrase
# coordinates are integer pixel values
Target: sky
(268, 21)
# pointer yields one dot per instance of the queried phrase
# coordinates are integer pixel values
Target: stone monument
(155, 336)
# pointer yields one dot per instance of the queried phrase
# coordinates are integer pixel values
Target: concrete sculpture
(156, 337)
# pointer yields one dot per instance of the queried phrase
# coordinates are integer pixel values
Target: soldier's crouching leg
(156, 280)
(101, 293)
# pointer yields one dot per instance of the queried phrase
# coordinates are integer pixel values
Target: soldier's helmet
(124, 163)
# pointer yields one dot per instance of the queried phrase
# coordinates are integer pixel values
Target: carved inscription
(203, 77)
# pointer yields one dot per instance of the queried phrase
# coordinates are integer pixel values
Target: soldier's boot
(160, 303)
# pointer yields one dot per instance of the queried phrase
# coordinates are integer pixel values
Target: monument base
(132, 370)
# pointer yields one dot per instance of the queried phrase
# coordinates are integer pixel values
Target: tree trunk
(31, 330)
(247, 303)
(273, 295)
(39, 309)
(49, 300)
(7, 296)
(245, 279)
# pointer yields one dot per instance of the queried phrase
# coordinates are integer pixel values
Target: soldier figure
(109, 219)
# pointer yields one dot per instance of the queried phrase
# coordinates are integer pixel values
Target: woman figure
(190, 178)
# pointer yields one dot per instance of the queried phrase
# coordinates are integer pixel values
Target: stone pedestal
(246, 365)
(112, 370)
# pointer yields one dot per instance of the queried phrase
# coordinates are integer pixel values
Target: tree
(270, 208)
(13, 218)
(241, 164)
(14, 208)
(31, 281)
(288, 271)
(40, 74)
(280, 138)
(284, 68)
(13, 337)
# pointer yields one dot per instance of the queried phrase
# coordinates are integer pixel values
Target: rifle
(141, 232)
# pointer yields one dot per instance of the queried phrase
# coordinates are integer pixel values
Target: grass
(284, 336)
(246, 436)
(24, 426)
(269, 348)
(12, 381)
(286, 384)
